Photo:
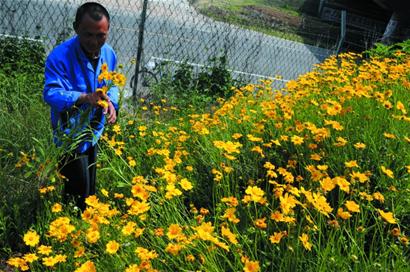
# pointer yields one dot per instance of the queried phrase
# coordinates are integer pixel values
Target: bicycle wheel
(148, 79)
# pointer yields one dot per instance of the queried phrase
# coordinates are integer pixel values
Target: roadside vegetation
(312, 177)
(292, 20)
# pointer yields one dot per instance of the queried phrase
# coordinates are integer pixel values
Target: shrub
(21, 56)
(183, 86)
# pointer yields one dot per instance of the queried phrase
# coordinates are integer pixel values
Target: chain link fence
(171, 31)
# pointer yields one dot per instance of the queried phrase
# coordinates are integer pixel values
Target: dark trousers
(80, 172)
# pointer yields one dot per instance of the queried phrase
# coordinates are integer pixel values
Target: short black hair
(94, 9)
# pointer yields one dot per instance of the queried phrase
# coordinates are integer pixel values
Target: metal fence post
(140, 48)
(342, 31)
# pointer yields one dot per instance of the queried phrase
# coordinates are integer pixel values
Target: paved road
(174, 30)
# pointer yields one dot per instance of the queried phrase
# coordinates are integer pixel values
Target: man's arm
(58, 91)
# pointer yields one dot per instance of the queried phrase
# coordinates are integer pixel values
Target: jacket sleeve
(113, 94)
(58, 91)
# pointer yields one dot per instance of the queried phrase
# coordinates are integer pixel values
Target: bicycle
(151, 73)
(145, 73)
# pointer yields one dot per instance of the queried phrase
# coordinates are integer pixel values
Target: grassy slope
(276, 17)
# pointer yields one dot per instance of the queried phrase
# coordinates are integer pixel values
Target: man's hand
(92, 98)
(110, 113)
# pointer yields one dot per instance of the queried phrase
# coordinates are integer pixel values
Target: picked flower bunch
(110, 79)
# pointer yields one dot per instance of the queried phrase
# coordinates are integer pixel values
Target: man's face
(92, 34)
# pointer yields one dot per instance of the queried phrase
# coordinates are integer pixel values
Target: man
(71, 80)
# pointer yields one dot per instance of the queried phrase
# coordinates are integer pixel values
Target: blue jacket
(68, 74)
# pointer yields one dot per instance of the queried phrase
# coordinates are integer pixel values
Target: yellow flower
(389, 135)
(31, 238)
(204, 231)
(401, 107)
(340, 141)
(327, 184)
(261, 223)
(342, 214)
(226, 232)
(79, 252)
(351, 164)
(230, 201)
(230, 215)
(138, 232)
(258, 149)
(172, 191)
(287, 203)
(359, 145)
(236, 136)
(102, 104)
(44, 250)
(112, 247)
(404, 240)
(190, 258)
(362, 178)
(56, 208)
(255, 193)
(253, 138)
(296, 140)
(129, 228)
(334, 109)
(277, 237)
(315, 157)
(30, 257)
(144, 254)
(387, 104)
(387, 172)
(335, 125)
(387, 216)
(174, 231)
(132, 163)
(133, 268)
(174, 249)
(320, 203)
(343, 184)
(251, 266)
(102, 90)
(159, 232)
(49, 261)
(116, 129)
(93, 236)
(60, 228)
(352, 206)
(59, 258)
(104, 67)
(232, 147)
(379, 197)
(138, 190)
(88, 266)
(118, 196)
(304, 238)
(185, 184)
(18, 263)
